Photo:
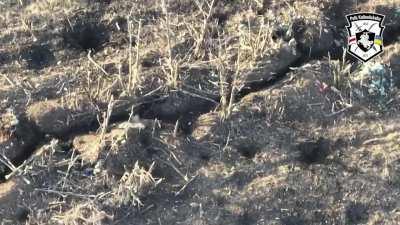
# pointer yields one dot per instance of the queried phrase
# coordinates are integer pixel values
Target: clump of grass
(133, 185)
(256, 38)
(235, 83)
(342, 86)
(254, 42)
(200, 35)
(221, 61)
(228, 86)
(45, 7)
(171, 67)
(134, 64)
(340, 71)
(83, 213)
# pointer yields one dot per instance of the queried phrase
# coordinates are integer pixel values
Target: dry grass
(172, 64)
(134, 184)
(46, 7)
(134, 64)
(231, 40)
(83, 213)
(340, 71)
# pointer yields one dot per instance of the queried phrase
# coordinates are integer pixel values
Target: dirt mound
(11, 197)
(18, 138)
(50, 117)
(196, 112)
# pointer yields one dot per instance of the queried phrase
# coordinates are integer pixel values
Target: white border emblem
(365, 35)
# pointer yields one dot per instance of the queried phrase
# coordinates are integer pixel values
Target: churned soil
(196, 112)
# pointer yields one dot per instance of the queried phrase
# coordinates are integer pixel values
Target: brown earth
(196, 112)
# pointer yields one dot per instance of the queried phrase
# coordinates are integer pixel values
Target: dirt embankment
(226, 112)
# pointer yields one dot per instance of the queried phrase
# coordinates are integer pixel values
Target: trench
(265, 84)
(155, 107)
(158, 106)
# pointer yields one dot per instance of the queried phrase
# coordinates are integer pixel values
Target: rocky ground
(196, 112)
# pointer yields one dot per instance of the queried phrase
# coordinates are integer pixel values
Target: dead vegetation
(195, 112)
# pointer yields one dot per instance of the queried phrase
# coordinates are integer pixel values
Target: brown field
(204, 112)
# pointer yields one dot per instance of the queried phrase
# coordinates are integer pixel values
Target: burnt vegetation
(196, 112)
(85, 32)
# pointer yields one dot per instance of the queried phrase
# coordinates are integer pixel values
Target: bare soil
(196, 112)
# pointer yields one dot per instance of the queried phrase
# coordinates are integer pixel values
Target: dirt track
(236, 112)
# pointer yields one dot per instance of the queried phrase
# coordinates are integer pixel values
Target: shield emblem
(365, 35)
(365, 40)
